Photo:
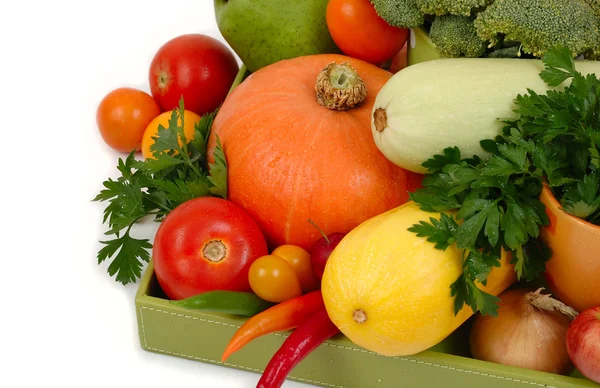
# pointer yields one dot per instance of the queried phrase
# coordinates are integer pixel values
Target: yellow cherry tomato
(190, 119)
(299, 259)
(273, 279)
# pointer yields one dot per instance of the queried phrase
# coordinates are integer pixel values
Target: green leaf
(178, 191)
(469, 231)
(492, 225)
(465, 291)
(441, 232)
(559, 66)
(472, 206)
(485, 303)
(218, 172)
(161, 162)
(588, 189)
(166, 139)
(478, 265)
(512, 224)
(498, 165)
(517, 155)
(451, 155)
(460, 292)
(536, 254)
(489, 145)
(130, 255)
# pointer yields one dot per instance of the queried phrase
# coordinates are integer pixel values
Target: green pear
(262, 32)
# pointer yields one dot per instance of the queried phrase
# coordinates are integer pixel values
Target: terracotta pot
(573, 272)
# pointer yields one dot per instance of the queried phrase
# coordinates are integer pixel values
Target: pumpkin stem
(339, 87)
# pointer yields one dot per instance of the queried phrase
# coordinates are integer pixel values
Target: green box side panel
(171, 330)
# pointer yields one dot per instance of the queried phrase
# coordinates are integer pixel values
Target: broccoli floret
(540, 25)
(594, 52)
(455, 36)
(399, 13)
(452, 7)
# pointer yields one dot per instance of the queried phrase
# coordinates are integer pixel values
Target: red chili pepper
(281, 317)
(303, 340)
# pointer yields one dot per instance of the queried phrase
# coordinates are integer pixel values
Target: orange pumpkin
(297, 139)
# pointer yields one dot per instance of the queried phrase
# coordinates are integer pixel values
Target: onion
(528, 332)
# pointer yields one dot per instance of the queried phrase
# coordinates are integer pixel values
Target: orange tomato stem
(281, 317)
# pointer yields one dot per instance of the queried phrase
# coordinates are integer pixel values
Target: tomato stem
(215, 251)
(320, 230)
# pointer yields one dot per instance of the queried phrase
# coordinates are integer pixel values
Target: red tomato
(360, 33)
(400, 60)
(122, 117)
(199, 67)
(206, 244)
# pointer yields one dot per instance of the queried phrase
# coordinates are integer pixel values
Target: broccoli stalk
(399, 13)
(451, 7)
(540, 25)
(455, 36)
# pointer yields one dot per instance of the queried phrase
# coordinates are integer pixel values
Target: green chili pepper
(229, 302)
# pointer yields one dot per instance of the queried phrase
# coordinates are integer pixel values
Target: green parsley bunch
(495, 201)
(153, 187)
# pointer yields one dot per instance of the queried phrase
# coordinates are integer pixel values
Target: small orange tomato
(273, 279)
(360, 32)
(122, 117)
(300, 260)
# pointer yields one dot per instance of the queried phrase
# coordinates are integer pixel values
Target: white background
(63, 320)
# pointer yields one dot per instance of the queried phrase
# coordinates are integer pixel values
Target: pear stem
(320, 230)
(339, 87)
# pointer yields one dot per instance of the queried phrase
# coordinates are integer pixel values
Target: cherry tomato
(122, 117)
(190, 119)
(198, 67)
(205, 244)
(360, 33)
(273, 279)
(300, 260)
(322, 249)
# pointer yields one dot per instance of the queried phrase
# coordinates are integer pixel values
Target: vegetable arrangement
(336, 193)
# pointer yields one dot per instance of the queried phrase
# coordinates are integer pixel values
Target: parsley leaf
(438, 162)
(465, 291)
(559, 66)
(218, 172)
(127, 264)
(441, 231)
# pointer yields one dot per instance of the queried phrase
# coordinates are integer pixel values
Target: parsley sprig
(492, 204)
(178, 172)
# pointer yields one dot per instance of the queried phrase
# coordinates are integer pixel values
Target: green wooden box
(338, 363)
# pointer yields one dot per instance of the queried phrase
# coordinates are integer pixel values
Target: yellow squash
(388, 290)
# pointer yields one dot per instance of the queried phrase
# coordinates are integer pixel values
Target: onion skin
(522, 335)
